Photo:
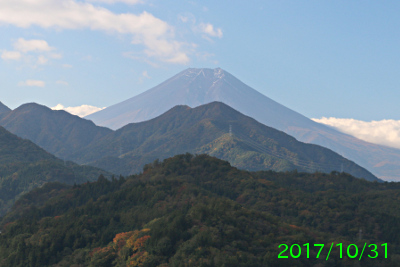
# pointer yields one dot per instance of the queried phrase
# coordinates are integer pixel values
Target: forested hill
(205, 129)
(15, 149)
(57, 131)
(200, 211)
(215, 129)
(199, 86)
(24, 166)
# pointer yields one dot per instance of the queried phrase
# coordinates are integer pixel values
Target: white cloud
(67, 66)
(80, 111)
(209, 29)
(154, 34)
(58, 107)
(384, 132)
(32, 83)
(11, 55)
(24, 48)
(31, 45)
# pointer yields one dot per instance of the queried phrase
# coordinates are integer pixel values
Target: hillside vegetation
(199, 211)
(56, 131)
(250, 145)
(205, 129)
(24, 166)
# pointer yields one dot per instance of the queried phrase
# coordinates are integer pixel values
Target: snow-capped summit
(194, 87)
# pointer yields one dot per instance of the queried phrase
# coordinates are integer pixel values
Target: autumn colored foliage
(199, 211)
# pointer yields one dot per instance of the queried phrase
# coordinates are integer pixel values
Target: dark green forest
(25, 166)
(200, 211)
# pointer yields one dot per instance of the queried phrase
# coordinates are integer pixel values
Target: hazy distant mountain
(195, 87)
(24, 166)
(57, 131)
(253, 146)
(3, 109)
(215, 129)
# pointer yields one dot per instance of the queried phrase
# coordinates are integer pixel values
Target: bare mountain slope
(194, 87)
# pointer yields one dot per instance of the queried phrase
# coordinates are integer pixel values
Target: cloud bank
(25, 48)
(80, 111)
(155, 35)
(11, 55)
(384, 132)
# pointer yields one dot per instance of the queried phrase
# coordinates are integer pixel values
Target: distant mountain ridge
(180, 130)
(194, 87)
(205, 129)
(57, 131)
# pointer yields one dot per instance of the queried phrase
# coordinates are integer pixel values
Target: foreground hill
(194, 87)
(57, 131)
(205, 129)
(200, 211)
(24, 166)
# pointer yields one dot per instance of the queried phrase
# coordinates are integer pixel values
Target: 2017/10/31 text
(352, 251)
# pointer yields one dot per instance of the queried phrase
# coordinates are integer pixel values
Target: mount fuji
(195, 87)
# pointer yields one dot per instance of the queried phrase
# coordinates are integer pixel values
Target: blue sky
(320, 58)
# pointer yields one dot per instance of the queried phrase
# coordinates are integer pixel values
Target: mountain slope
(205, 129)
(178, 131)
(194, 87)
(24, 166)
(3, 110)
(200, 211)
(57, 131)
